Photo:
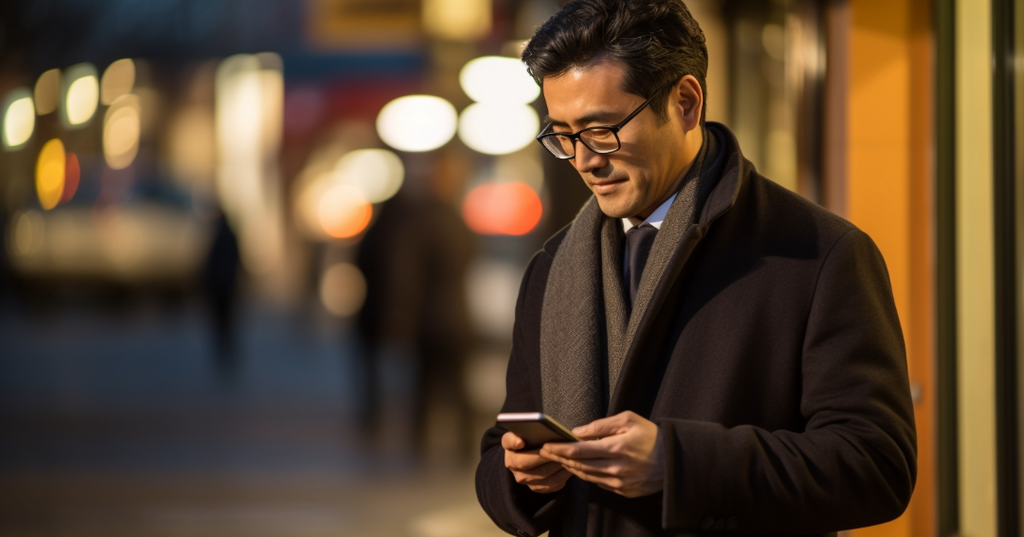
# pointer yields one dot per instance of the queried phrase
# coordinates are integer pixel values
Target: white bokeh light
(498, 128)
(378, 173)
(82, 95)
(498, 79)
(417, 123)
(19, 118)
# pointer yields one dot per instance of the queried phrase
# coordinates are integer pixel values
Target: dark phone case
(536, 433)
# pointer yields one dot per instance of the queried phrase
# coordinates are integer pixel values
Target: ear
(687, 102)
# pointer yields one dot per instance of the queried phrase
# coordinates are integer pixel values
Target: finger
(524, 460)
(512, 442)
(604, 427)
(553, 483)
(595, 467)
(588, 449)
(537, 475)
(540, 472)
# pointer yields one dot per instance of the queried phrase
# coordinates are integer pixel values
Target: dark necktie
(638, 242)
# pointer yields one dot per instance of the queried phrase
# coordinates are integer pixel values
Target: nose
(586, 161)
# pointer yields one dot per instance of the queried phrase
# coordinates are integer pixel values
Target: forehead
(582, 94)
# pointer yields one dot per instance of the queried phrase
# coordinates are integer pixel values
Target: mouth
(606, 186)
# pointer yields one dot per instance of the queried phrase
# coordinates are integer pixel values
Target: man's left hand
(621, 453)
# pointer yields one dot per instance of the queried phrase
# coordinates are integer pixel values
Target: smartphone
(535, 428)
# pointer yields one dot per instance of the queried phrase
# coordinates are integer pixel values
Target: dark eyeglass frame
(577, 136)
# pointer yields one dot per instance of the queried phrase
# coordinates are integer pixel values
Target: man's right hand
(530, 469)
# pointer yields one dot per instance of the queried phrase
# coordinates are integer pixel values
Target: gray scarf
(586, 326)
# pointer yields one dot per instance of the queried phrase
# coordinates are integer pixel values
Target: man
(729, 353)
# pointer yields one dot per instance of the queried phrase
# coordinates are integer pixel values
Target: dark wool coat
(773, 362)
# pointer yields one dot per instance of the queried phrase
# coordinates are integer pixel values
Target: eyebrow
(606, 117)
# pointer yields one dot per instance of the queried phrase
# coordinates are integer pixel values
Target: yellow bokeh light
(47, 92)
(378, 173)
(457, 20)
(28, 234)
(19, 119)
(50, 170)
(118, 80)
(82, 95)
(343, 289)
(417, 123)
(121, 128)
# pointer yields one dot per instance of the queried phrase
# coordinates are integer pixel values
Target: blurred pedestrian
(220, 290)
(415, 259)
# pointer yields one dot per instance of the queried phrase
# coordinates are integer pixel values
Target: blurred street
(118, 422)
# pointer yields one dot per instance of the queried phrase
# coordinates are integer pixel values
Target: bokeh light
(343, 289)
(417, 123)
(47, 92)
(498, 79)
(121, 129)
(118, 79)
(457, 20)
(344, 211)
(498, 128)
(72, 176)
(19, 118)
(50, 170)
(502, 209)
(27, 234)
(82, 95)
(377, 173)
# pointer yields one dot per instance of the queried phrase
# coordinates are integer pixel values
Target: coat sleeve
(853, 465)
(514, 507)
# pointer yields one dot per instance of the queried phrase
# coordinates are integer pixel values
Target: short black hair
(657, 41)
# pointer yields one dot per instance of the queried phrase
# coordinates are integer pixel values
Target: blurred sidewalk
(117, 423)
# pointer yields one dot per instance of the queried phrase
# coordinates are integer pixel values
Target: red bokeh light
(502, 209)
(72, 175)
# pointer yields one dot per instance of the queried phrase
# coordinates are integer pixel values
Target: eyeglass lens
(597, 140)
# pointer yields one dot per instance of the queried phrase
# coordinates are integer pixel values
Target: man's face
(648, 167)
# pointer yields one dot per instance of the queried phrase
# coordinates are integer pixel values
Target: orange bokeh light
(344, 211)
(72, 175)
(502, 209)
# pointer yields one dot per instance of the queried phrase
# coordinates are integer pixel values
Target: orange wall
(889, 196)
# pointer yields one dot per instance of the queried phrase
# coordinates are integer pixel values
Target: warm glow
(457, 20)
(248, 112)
(72, 176)
(417, 123)
(121, 128)
(343, 289)
(50, 170)
(502, 209)
(47, 92)
(498, 128)
(19, 119)
(82, 96)
(28, 234)
(344, 211)
(191, 146)
(378, 173)
(118, 80)
(498, 79)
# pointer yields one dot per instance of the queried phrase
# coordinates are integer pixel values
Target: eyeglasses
(601, 139)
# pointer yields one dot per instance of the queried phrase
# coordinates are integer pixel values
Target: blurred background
(260, 257)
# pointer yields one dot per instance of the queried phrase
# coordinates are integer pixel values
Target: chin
(615, 210)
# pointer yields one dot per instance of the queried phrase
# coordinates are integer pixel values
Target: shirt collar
(656, 218)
